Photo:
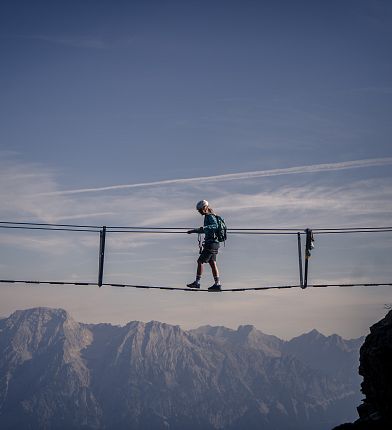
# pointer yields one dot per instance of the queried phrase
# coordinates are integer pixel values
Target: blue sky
(116, 112)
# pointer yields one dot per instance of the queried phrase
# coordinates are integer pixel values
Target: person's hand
(195, 230)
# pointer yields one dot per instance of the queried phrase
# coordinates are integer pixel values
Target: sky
(126, 113)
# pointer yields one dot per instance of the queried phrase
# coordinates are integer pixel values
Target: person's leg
(215, 271)
(199, 272)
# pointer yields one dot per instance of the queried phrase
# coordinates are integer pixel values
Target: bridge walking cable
(161, 287)
(308, 233)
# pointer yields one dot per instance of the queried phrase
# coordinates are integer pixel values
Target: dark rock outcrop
(375, 413)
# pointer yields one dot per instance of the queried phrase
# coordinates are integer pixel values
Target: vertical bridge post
(308, 247)
(102, 240)
(301, 276)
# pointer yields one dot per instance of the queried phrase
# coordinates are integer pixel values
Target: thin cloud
(83, 42)
(314, 168)
(84, 215)
(35, 198)
(377, 90)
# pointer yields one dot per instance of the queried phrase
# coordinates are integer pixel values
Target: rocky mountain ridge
(57, 373)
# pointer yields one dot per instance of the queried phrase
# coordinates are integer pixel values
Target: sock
(198, 279)
(216, 279)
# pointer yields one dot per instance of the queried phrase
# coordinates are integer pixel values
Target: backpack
(221, 232)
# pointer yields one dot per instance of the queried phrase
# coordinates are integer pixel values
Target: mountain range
(56, 373)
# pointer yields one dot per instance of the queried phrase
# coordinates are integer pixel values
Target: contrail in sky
(314, 168)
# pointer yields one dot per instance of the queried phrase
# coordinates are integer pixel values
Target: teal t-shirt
(209, 229)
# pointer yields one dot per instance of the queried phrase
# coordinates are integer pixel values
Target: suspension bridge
(304, 252)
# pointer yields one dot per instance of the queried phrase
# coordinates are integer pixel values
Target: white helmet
(201, 204)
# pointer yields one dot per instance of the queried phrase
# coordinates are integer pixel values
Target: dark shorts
(209, 252)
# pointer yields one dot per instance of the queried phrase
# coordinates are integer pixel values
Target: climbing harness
(199, 240)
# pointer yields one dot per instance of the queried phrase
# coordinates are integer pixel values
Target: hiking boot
(215, 287)
(194, 284)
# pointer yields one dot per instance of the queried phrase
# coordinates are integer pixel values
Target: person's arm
(211, 224)
(196, 230)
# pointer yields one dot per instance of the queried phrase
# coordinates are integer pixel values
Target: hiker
(210, 245)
